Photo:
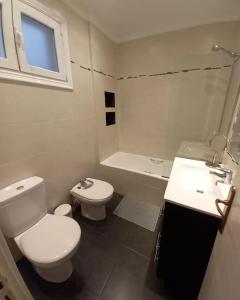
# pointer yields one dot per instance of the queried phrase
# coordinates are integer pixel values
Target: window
(8, 58)
(37, 51)
(40, 47)
(2, 47)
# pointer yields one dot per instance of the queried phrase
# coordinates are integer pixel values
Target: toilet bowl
(47, 241)
(49, 246)
(93, 199)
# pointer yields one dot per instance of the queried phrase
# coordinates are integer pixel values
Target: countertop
(191, 185)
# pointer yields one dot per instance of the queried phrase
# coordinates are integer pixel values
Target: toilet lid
(63, 210)
(51, 239)
(100, 190)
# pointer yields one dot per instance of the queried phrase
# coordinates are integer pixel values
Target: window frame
(30, 74)
(19, 8)
(10, 61)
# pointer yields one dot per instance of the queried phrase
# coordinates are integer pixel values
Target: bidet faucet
(83, 182)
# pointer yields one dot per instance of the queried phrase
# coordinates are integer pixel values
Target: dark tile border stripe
(162, 74)
(94, 70)
(152, 75)
(212, 68)
(190, 70)
(176, 72)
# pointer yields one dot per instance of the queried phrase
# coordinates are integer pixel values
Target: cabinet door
(158, 237)
(187, 238)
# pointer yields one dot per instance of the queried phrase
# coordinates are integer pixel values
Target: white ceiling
(124, 20)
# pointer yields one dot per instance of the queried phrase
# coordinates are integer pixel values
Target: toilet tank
(22, 204)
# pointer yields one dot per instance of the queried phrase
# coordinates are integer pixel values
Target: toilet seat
(98, 193)
(50, 240)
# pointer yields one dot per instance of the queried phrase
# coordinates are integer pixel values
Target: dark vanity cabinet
(185, 243)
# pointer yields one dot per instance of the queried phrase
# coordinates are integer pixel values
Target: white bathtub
(149, 166)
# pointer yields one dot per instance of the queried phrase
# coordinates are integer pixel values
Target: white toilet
(92, 195)
(47, 241)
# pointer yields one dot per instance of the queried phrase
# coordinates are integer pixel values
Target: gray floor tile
(132, 236)
(134, 263)
(142, 240)
(112, 263)
(121, 285)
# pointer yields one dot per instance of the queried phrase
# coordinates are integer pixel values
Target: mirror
(218, 143)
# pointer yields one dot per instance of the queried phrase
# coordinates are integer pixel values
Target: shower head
(231, 53)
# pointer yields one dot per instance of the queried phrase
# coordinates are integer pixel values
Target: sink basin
(194, 178)
(192, 185)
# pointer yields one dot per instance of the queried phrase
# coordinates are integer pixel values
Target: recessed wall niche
(110, 118)
(109, 99)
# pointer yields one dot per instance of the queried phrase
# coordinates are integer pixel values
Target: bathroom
(122, 93)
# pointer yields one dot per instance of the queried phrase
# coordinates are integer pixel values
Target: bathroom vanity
(186, 242)
(188, 225)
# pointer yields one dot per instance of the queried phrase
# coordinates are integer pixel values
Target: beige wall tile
(188, 48)
(107, 135)
(103, 51)
(103, 57)
(159, 112)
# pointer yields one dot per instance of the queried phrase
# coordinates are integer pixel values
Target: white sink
(192, 185)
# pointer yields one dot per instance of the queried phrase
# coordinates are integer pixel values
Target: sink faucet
(226, 174)
(221, 175)
(219, 181)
